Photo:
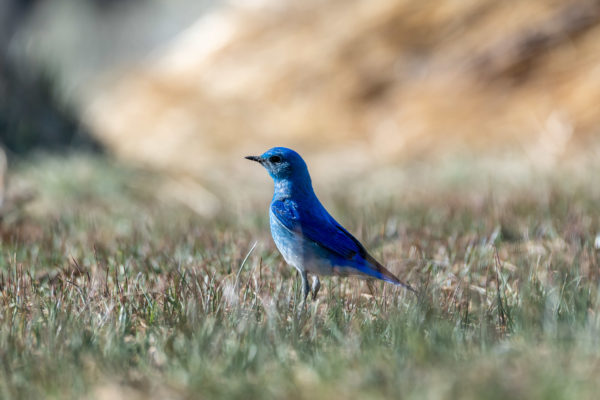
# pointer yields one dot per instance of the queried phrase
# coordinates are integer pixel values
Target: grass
(108, 292)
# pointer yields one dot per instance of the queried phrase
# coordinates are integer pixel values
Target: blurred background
(187, 88)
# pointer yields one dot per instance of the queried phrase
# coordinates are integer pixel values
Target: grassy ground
(109, 292)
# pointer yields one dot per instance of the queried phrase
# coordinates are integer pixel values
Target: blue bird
(307, 237)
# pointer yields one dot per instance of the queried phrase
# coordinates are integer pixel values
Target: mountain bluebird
(306, 235)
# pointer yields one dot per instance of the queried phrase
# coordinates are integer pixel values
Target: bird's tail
(380, 272)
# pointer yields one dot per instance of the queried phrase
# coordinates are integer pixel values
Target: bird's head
(283, 163)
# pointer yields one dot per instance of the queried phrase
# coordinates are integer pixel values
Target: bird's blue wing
(317, 225)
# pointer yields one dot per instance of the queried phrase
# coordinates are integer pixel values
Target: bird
(306, 235)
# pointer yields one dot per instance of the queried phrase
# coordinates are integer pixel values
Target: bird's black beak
(253, 158)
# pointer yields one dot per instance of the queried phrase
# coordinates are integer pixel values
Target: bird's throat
(294, 188)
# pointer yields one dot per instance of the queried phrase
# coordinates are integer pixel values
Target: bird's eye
(274, 159)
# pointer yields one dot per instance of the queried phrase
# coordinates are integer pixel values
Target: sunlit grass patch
(106, 290)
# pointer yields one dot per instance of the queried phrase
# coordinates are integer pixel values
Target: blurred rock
(32, 113)
(395, 80)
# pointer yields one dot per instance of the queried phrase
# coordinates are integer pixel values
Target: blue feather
(317, 226)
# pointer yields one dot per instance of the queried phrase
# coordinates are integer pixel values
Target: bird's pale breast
(298, 251)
